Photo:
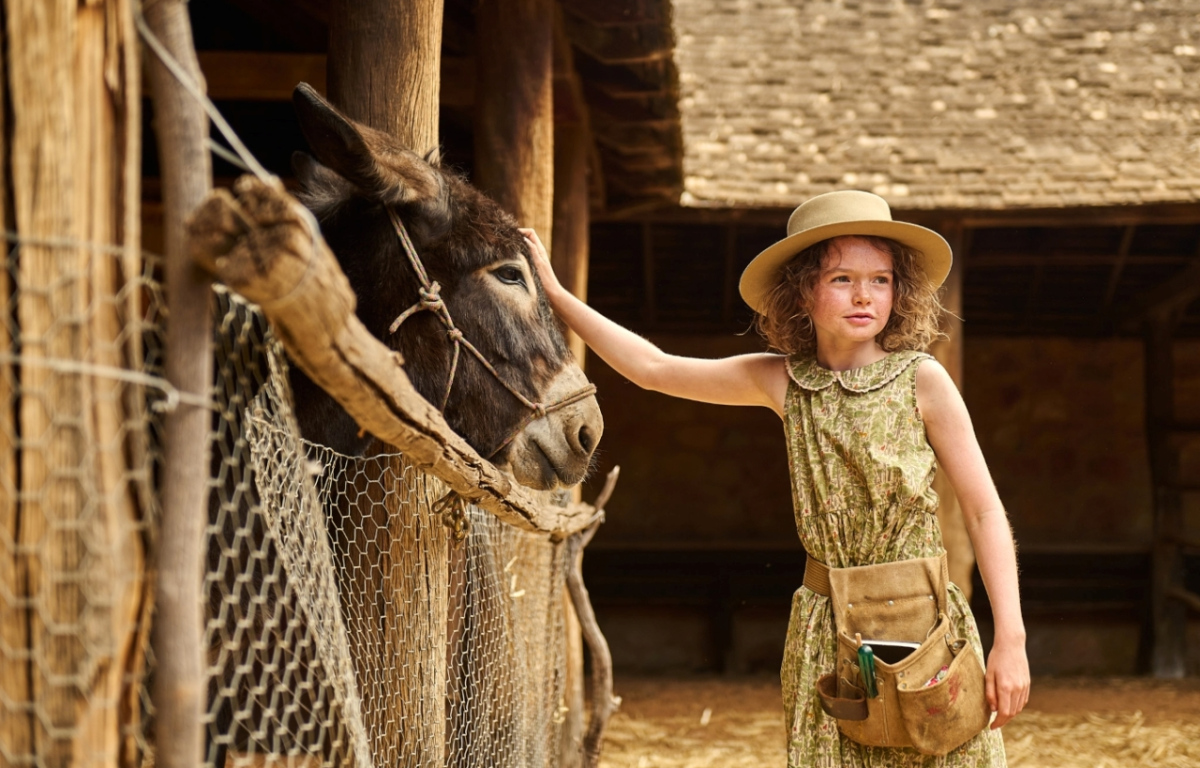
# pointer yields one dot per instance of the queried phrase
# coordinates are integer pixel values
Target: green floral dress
(862, 472)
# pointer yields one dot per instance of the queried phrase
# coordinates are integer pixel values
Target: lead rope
(452, 506)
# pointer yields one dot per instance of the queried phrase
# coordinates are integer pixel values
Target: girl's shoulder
(806, 373)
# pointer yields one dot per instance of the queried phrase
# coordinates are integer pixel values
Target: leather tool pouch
(918, 705)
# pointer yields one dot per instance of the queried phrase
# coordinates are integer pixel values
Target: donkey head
(473, 250)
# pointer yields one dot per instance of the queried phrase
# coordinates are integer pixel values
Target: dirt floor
(1069, 723)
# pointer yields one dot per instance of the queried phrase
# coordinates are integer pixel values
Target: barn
(657, 147)
(1056, 148)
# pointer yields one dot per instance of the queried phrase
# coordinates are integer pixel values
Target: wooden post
(1168, 615)
(514, 125)
(182, 128)
(960, 555)
(514, 164)
(384, 70)
(569, 254)
(384, 66)
(72, 563)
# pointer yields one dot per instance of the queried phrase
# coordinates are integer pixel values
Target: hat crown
(838, 207)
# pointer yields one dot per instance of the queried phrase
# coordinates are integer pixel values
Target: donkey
(356, 182)
(473, 250)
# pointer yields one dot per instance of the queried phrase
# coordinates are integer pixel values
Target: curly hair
(784, 319)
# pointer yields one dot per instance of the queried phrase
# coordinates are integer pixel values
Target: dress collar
(809, 375)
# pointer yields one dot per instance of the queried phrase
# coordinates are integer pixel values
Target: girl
(848, 299)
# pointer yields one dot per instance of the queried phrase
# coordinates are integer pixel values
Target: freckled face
(853, 297)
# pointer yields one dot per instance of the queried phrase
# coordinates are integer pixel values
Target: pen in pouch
(866, 665)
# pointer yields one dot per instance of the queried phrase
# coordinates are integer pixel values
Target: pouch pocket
(904, 618)
(944, 716)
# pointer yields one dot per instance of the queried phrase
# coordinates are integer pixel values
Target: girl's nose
(861, 294)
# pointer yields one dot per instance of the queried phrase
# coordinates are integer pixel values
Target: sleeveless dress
(862, 472)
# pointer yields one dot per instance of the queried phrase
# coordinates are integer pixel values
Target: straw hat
(848, 212)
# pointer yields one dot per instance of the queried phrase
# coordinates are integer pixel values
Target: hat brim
(759, 276)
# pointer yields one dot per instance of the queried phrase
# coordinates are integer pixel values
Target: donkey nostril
(586, 441)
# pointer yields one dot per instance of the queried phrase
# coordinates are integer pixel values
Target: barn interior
(1079, 341)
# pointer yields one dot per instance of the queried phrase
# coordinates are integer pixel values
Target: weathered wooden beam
(272, 76)
(1173, 296)
(262, 245)
(1168, 617)
(260, 76)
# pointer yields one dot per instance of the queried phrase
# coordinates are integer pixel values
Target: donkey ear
(321, 189)
(369, 159)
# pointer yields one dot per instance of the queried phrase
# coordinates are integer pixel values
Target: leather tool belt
(933, 699)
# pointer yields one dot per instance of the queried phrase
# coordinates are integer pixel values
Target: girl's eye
(510, 275)
(841, 279)
(883, 280)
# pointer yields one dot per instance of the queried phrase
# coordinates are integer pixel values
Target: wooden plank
(182, 128)
(260, 76)
(72, 548)
(15, 695)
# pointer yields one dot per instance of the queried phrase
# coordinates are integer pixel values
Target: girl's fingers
(990, 688)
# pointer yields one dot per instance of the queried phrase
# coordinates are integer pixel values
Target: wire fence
(343, 624)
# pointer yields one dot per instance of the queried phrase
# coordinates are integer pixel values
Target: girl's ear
(371, 160)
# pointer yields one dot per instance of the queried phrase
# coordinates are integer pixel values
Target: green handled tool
(866, 665)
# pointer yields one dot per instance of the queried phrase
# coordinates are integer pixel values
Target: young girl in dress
(848, 300)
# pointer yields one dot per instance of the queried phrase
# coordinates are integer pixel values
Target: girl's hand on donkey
(541, 262)
(1007, 681)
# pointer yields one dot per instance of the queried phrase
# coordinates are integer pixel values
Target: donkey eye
(510, 275)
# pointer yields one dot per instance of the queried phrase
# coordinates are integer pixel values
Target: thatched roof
(940, 104)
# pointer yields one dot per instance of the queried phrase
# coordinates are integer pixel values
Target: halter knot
(431, 297)
(455, 335)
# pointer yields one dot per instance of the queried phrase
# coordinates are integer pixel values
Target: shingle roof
(982, 104)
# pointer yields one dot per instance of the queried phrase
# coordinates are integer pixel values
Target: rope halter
(431, 301)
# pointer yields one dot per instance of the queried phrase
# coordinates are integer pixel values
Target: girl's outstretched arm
(948, 428)
(757, 379)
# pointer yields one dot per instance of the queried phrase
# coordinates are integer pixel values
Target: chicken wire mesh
(345, 622)
(344, 625)
(80, 344)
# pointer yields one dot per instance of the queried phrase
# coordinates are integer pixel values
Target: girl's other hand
(1007, 681)
(541, 262)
